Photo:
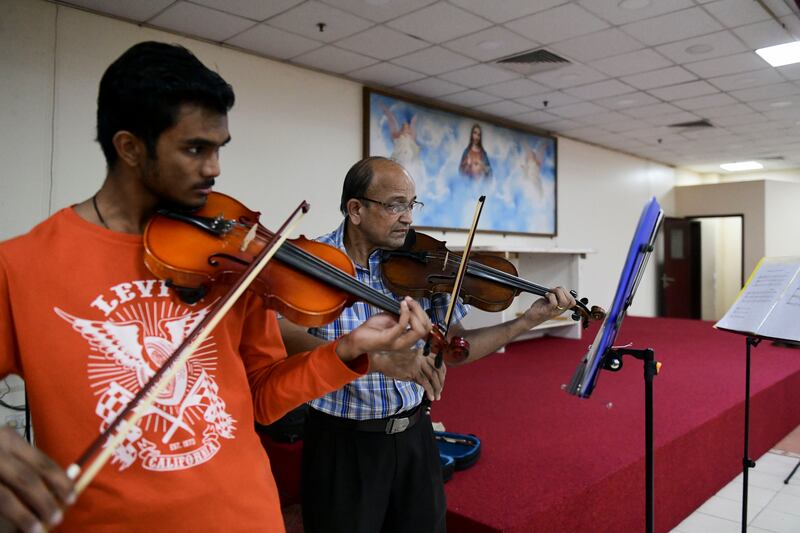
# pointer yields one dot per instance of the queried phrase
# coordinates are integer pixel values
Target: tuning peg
(576, 316)
(584, 301)
(573, 293)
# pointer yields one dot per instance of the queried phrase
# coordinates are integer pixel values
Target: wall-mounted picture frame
(455, 158)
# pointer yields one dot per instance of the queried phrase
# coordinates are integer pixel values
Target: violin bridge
(248, 238)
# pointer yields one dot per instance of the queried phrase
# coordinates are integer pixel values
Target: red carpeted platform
(554, 463)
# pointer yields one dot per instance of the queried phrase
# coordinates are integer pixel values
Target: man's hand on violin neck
(386, 333)
(550, 306)
(33, 489)
(411, 365)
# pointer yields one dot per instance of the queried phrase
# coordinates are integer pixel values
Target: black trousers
(364, 482)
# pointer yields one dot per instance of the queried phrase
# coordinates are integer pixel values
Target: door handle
(666, 281)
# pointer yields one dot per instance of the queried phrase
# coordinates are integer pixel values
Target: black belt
(389, 425)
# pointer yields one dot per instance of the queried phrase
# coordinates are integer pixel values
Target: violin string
(496, 274)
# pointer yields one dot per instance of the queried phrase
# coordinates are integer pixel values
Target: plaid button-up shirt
(374, 395)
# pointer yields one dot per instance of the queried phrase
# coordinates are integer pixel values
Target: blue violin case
(460, 449)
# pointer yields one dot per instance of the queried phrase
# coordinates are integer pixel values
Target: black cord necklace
(96, 210)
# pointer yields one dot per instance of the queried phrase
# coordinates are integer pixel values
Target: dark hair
(143, 90)
(357, 180)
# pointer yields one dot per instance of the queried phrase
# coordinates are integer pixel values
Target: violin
(308, 282)
(424, 266)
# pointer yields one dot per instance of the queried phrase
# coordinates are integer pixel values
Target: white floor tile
(731, 509)
(784, 503)
(704, 523)
(777, 521)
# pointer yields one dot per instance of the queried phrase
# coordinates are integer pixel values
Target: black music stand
(602, 355)
(764, 309)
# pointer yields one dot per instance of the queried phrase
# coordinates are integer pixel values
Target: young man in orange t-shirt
(89, 325)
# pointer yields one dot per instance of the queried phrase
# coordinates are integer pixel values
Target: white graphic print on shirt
(182, 429)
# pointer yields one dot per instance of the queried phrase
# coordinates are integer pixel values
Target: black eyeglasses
(395, 208)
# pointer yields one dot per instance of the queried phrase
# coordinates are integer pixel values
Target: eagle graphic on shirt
(183, 427)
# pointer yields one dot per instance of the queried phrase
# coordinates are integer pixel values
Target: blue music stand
(602, 354)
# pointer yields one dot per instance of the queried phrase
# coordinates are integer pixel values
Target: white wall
(295, 133)
(782, 219)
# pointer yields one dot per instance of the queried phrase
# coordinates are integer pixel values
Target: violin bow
(137, 408)
(462, 270)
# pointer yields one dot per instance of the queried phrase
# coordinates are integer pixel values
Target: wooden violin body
(308, 282)
(424, 266)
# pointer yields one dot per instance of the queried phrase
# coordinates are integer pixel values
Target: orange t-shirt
(86, 324)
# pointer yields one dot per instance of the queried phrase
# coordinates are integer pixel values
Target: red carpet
(552, 462)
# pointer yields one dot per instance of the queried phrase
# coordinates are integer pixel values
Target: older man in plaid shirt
(370, 462)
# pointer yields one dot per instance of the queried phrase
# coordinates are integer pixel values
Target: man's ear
(354, 208)
(130, 148)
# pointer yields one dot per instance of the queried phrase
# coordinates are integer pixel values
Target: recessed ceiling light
(741, 165)
(783, 103)
(697, 49)
(489, 45)
(782, 54)
(634, 4)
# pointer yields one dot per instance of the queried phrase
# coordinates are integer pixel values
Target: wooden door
(680, 277)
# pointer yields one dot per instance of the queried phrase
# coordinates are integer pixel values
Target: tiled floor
(772, 506)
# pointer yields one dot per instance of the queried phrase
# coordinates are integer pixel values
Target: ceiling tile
(252, 9)
(491, 43)
(577, 110)
(375, 11)
(673, 26)
(518, 88)
(626, 101)
(386, 74)
(537, 117)
(563, 124)
(570, 76)
(470, 98)
(762, 34)
(381, 42)
(631, 63)
(747, 79)
(652, 110)
(659, 78)
(605, 43)
(611, 10)
(600, 89)
(766, 92)
(478, 76)
(138, 11)
(434, 60)
(273, 42)
(553, 99)
(626, 125)
(721, 66)
(197, 20)
(557, 24)
(604, 118)
(432, 87)
(671, 118)
(738, 120)
(304, 18)
(700, 102)
(504, 108)
(790, 72)
(721, 43)
(736, 12)
(439, 23)
(505, 10)
(684, 90)
(727, 111)
(332, 59)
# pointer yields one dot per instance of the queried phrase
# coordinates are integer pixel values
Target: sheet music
(783, 321)
(758, 299)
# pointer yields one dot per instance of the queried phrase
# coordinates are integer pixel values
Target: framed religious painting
(455, 158)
